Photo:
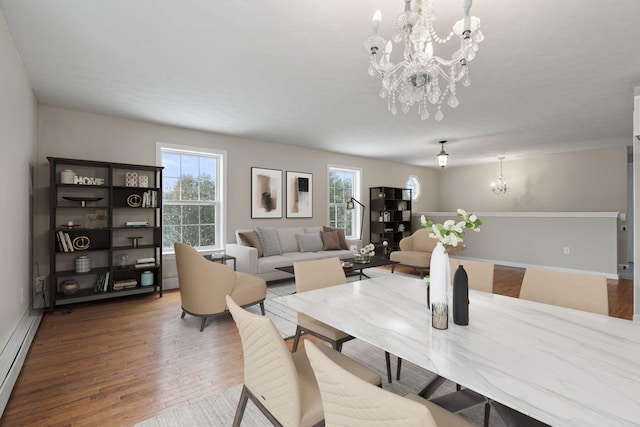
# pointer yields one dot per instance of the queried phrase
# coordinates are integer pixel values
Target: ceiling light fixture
(442, 156)
(501, 186)
(417, 78)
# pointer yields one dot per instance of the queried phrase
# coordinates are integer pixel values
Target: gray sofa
(295, 244)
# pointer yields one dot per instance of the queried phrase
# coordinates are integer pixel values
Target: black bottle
(461, 297)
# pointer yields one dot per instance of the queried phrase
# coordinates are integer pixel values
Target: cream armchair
(415, 251)
(204, 285)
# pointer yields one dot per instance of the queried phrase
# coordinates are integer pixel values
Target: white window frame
(417, 187)
(220, 202)
(356, 219)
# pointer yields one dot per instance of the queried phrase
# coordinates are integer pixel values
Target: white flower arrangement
(450, 233)
(368, 250)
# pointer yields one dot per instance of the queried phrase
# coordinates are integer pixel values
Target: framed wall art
(266, 193)
(299, 187)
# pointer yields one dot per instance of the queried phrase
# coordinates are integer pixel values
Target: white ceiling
(551, 76)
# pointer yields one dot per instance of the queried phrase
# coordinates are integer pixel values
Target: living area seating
(281, 384)
(322, 273)
(480, 273)
(261, 250)
(415, 251)
(571, 290)
(349, 401)
(204, 285)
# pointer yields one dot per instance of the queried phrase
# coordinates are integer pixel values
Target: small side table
(222, 259)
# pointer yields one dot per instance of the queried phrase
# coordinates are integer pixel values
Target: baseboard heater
(15, 352)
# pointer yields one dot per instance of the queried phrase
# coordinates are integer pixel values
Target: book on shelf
(124, 284)
(150, 199)
(69, 244)
(146, 265)
(136, 223)
(146, 260)
(59, 246)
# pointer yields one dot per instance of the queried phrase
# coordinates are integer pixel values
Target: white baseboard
(14, 353)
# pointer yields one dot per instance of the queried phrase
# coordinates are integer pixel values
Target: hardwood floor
(119, 362)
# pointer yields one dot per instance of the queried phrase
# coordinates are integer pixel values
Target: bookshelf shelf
(98, 214)
(390, 218)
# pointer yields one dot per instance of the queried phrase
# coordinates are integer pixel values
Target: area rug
(218, 409)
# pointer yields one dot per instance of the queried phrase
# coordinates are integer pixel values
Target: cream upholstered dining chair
(316, 274)
(480, 273)
(204, 284)
(349, 401)
(279, 383)
(571, 290)
(415, 251)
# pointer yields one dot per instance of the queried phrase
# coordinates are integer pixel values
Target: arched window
(414, 184)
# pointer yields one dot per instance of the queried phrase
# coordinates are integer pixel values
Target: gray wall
(74, 134)
(530, 239)
(18, 113)
(583, 181)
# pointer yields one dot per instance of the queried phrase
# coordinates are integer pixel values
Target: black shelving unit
(390, 219)
(90, 212)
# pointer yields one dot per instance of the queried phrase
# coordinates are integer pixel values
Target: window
(414, 184)
(344, 183)
(192, 197)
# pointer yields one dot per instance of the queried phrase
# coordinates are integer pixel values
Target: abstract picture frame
(299, 190)
(266, 193)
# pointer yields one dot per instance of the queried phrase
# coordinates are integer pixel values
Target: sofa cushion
(250, 238)
(269, 241)
(330, 240)
(287, 237)
(341, 237)
(308, 230)
(311, 242)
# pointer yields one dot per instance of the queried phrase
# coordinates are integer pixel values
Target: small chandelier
(416, 80)
(501, 186)
(442, 156)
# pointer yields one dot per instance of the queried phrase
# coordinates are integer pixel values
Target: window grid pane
(189, 199)
(341, 189)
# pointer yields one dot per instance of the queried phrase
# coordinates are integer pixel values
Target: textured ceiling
(551, 76)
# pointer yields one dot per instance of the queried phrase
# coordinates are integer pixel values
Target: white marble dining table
(560, 366)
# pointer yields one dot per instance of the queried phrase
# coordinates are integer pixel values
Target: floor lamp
(351, 205)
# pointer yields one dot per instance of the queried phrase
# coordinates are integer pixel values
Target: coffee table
(356, 268)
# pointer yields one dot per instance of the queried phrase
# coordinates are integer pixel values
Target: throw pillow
(269, 240)
(341, 237)
(309, 242)
(330, 241)
(250, 238)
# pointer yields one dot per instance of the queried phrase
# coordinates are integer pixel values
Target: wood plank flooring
(119, 362)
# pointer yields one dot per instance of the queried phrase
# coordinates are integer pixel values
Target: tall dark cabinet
(105, 237)
(390, 219)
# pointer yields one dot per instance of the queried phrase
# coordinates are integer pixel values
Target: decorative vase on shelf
(440, 277)
(460, 297)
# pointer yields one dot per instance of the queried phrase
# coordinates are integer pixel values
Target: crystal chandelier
(416, 80)
(501, 186)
